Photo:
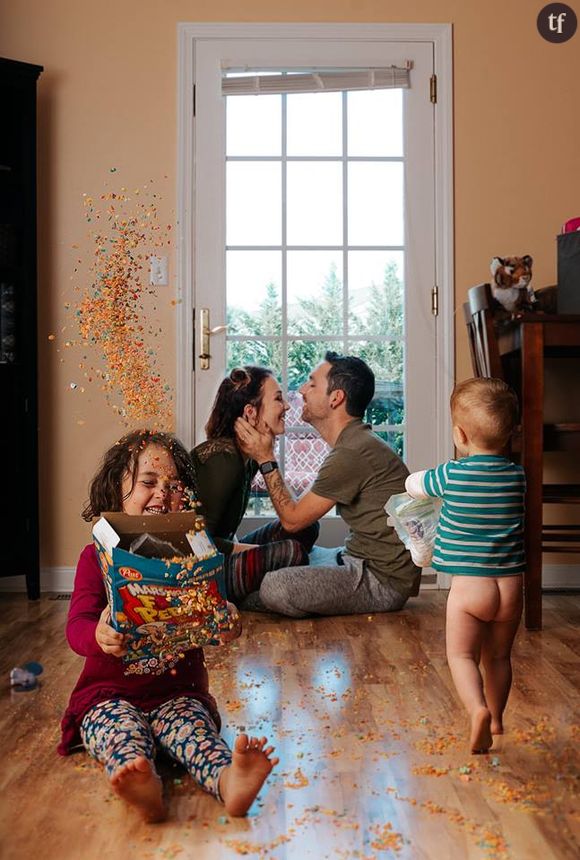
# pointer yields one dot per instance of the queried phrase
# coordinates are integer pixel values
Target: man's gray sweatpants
(333, 589)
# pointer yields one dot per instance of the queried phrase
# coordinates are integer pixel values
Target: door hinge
(193, 100)
(433, 89)
(435, 301)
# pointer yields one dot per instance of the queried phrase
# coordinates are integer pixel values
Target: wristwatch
(268, 466)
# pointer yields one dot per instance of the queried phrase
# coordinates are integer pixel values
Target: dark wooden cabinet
(19, 552)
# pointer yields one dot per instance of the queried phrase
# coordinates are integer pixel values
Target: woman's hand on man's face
(254, 443)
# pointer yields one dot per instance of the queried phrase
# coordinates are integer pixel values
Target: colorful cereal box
(164, 606)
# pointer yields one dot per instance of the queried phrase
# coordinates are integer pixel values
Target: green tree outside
(321, 319)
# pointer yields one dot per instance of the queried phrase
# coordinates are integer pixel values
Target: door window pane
(254, 203)
(314, 292)
(261, 353)
(375, 203)
(376, 293)
(314, 124)
(254, 304)
(314, 195)
(254, 125)
(375, 123)
(384, 357)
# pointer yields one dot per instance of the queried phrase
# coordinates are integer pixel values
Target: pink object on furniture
(571, 226)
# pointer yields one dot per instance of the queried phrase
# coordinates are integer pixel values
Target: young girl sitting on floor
(119, 718)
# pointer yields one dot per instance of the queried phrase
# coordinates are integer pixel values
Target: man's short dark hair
(355, 378)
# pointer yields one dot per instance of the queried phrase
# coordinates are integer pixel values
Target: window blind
(315, 81)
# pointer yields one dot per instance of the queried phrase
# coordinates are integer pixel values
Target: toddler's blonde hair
(487, 410)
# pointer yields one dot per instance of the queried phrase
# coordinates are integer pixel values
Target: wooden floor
(361, 709)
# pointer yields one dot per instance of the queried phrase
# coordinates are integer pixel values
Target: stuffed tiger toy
(511, 282)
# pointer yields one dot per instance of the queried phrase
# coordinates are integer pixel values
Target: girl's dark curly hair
(242, 387)
(122, 458)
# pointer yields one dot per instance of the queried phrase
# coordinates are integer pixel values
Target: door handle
(205, 333)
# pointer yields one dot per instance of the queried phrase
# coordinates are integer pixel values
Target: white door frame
(440, 35)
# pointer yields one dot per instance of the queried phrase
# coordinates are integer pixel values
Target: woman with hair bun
(224, 477)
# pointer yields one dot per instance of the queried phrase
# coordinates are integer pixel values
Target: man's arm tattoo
(279, 492)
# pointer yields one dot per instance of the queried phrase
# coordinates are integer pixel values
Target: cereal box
(164, 605)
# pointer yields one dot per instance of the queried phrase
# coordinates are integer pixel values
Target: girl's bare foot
(481, 739)
(241, 781)
(138, 784)
(496, 727)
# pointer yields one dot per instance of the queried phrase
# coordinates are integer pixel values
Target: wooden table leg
(532, 460)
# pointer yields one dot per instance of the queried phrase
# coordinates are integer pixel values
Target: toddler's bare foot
(481, 739)
(138, 784)
(241, 781)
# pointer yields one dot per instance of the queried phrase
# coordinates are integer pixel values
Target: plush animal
(511, 282)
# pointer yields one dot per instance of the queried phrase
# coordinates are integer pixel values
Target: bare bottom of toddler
(483, 614)
(239, 783)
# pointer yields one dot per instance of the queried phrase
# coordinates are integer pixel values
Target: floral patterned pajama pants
(116, 731)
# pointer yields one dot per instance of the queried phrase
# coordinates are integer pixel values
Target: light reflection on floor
(371, 743)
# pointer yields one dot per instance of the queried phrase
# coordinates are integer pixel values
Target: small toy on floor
(25, 678)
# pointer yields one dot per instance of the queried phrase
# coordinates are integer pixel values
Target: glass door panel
(326, 232)
(314, 124)
(314, 202)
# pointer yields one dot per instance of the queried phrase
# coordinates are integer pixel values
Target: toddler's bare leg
(469, 605)
(496, 649)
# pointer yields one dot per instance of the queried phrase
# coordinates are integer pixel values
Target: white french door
(313, 229)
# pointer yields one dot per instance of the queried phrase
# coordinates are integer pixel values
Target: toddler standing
(480, 543)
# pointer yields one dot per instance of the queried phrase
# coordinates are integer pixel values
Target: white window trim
(441, 36)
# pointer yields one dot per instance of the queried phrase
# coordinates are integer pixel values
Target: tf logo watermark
(557, 22)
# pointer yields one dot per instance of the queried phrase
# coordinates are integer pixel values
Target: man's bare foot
(481, 739)
(241, 781)
(138, 784)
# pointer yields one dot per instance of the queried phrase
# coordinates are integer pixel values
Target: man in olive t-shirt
(373, 572)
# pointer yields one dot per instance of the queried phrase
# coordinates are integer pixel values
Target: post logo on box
(130, 573)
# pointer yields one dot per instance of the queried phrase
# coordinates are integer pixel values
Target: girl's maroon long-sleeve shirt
(103, 677)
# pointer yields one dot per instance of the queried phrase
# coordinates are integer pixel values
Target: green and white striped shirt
(481, 527)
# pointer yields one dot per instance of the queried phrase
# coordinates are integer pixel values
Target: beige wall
(107, 98)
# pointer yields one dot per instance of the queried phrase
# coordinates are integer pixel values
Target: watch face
(265, 468)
